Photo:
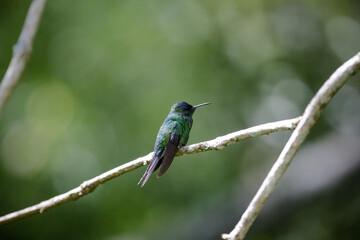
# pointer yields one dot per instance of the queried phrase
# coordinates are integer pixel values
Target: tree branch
(309, 118)
(21, 51)
(90, 185)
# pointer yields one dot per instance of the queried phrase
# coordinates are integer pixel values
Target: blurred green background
(103, 76)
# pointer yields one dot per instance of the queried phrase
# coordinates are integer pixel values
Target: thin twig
(310, 117)
(90, 185)
(21, 51)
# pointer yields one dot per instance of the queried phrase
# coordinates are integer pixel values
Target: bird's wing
(171, 149)
(162, 139)
(169, 134)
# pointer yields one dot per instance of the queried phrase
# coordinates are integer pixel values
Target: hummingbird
(173, 134)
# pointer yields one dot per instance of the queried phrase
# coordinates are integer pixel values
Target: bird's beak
(199, 105)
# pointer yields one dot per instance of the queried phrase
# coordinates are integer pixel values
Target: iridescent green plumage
(174, 133)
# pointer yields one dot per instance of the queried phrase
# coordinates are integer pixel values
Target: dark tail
(154, 164)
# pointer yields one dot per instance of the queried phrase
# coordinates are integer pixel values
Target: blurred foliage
(102, 78)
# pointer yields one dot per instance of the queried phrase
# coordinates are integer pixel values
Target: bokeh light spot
(343, 35)
(24, 150)
(296, 28)
(50, 108)
(73, 165)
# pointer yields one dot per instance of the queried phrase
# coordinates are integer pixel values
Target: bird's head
(185, 108)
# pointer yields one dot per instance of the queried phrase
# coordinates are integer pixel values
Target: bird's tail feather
(154, 164)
